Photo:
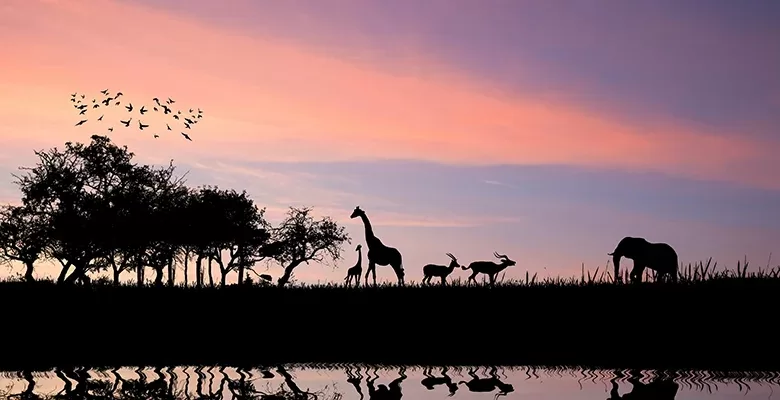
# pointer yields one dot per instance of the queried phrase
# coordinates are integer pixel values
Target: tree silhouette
(302, 239)
(23, 235)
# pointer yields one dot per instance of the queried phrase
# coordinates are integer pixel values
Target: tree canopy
(92, 208)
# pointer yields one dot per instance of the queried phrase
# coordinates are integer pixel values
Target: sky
(543, 130)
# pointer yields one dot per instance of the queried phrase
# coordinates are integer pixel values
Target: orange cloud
(275, 100)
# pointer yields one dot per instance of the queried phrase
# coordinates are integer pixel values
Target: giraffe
(378, 253)
(355, 271)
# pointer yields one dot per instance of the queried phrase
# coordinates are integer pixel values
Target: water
(341, 382)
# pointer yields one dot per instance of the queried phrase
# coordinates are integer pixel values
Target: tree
(73, 189)
(303, 239)
(23, 237)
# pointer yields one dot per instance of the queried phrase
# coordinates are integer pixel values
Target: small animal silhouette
(355, 271)
(489, 268)
(127, 123)
(142, 110)
(441, 271)
(141, 126)
(101, 118)
(486, 385)
(81, 122)
(129, 107)
(186, 136)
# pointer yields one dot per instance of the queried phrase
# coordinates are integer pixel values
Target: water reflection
(341, 382)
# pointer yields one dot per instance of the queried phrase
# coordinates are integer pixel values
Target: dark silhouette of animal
(127, 123)
(355, 378)
(489, 268)
(186, 136)
(657, 389)
(389, 392)
(440, 271)
(129, 107)
(486, 385)
(378, 253)
(101, 118)
(659, 257)
(81, 122)
(142, 110)
(355, 271)
(430, 381)
(142, 125)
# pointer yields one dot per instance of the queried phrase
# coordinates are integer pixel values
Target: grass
(712, 318)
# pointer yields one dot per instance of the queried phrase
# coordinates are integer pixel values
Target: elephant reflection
(389, 392)
(659, 257)
(658, 389)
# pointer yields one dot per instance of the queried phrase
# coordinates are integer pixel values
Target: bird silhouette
(96, 106)
(189, 121)
(111, 129)
(190, 111)
(116, 104)
(74, 94)
(166, 110)
(105, 92)
(141, 125)
(186, 125)
(81, 107)
(200, 116)
(156, 100)
(186, 136)
(118, 94)
(175, 116)
(73, 99)
(83, 111)
(101, 118)
(129, 107)
(156, 136)
(81, 122)
(106, 101)
(82, 96)
(127, 123)
(170, 101)
(200, 111)
(168, 126)
(94, 100)
(142, 110)
(154, 108)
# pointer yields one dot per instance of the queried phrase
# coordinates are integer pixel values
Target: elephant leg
(636, 273)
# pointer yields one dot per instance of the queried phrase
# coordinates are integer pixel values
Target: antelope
(440, 271)
(489, 268)
(354, 272)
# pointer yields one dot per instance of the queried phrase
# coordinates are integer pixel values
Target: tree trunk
(139, 272)
(241, 273)
(223, 278)
(117, 273)
(186, 266)
(171, 273)
(288, 273)
(158, 278)
(199, 271)
(211, 273)
(28, 273)
(63, 273)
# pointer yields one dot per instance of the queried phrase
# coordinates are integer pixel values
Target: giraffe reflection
(389, 392)
(486, 385)
(355, 379)
(658, 389)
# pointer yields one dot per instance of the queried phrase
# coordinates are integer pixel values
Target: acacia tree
(72, 188)
(303, 239)
(23, 237)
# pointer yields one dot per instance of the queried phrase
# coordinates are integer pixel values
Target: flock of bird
(164, 108)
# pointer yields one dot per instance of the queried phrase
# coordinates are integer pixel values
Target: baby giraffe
(355, 271)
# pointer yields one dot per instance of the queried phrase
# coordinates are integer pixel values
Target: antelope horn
(450, 256)
(501, 256)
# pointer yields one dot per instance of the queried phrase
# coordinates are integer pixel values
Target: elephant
(659, 257)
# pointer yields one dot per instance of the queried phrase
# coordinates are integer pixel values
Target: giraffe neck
(360, 257)
(369, 231)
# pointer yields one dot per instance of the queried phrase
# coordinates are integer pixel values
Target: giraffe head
(359, 246)
(357, 213)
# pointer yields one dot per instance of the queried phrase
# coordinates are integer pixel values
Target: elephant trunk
(616, 261)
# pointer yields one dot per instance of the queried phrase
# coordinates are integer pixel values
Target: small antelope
(441, 271)
(355, 271)
(489, 268)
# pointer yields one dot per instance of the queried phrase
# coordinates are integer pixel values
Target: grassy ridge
(705, 321)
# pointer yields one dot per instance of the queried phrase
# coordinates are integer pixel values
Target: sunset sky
(546, 130)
